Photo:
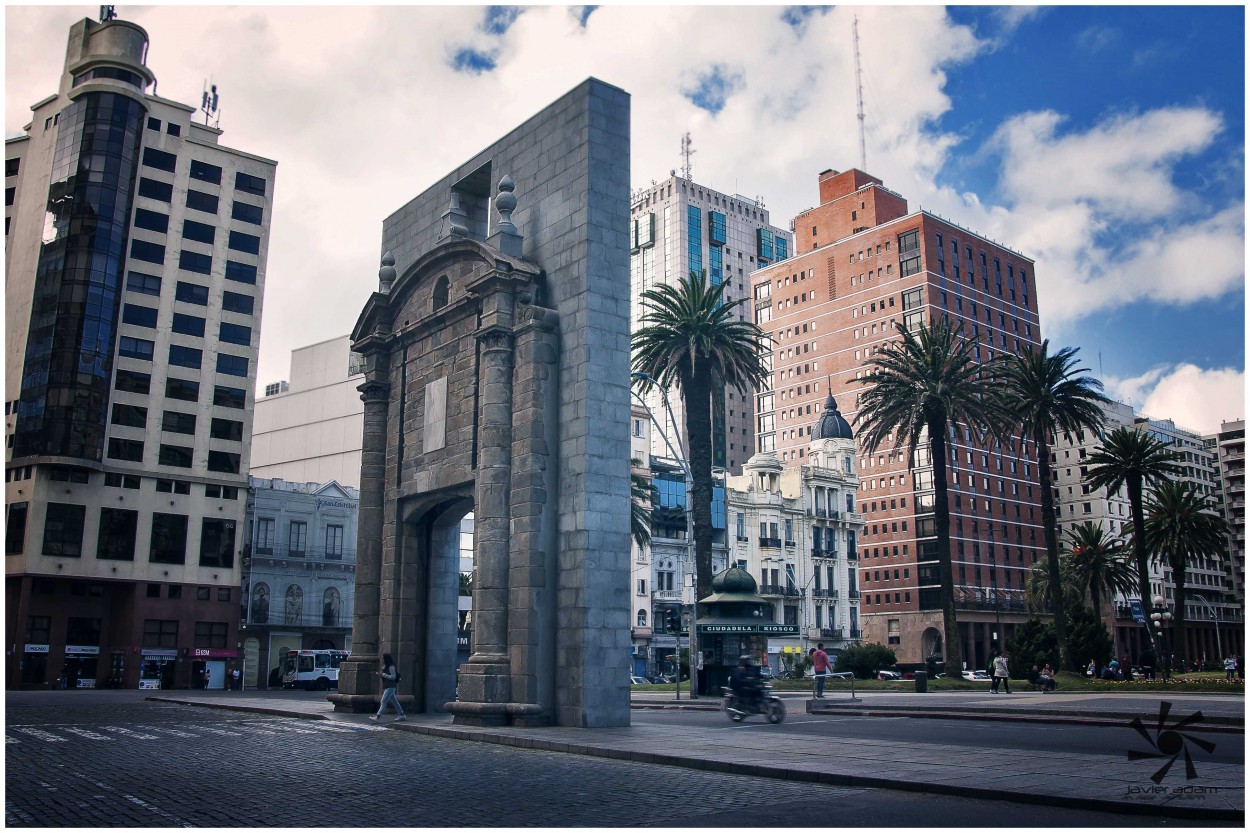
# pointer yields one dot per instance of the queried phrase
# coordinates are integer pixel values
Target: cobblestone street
(74, 761)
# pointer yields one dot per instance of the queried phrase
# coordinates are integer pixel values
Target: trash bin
(922, 682)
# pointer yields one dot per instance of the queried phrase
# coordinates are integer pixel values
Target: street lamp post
(693, 639)
(1162, 619)
(1215, 619)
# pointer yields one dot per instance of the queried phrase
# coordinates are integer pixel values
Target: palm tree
(1128, 458)
(1097, 564)
(641, 500)
(1050, 393)
(1180, 523)
(921, 386)
(691, 339)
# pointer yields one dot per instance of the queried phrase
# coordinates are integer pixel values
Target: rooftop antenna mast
(108, 13)
(685, 155)
(208, 104)
(859, 96)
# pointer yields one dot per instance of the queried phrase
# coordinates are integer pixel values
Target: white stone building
(135, 248)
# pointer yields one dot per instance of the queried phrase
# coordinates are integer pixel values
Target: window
(62, 530)
(121, 481)
(183, 389)
(148, 252)
(199, 232)
(210, 634)
(231, 365)
(15, 528)
(191, 293)
(185, 356)
(139, 316)
(159, 159)
(195, 262)
(133, 416)
(237, 302)
(175, 591)
(200, 201)
(249, 184)
(169, 539)
(133, 381)
(131, 450)
(217, 543)
(188, 325)
(205, 172)
(176, 487)
(226, 429)
(154, 124)
(173, 129)
(235, 334)
(178, 456)
(241, 242)
(11, 167)
(178, 423)
(203, 594)
(154, 190)
(159, 633)
(223, 461)
(297, 537)
(116, 541)
(334, 541)
(241, 272)
(151, 220)
(247, 213)
(264, 536)
(145, 284)
(229, 397)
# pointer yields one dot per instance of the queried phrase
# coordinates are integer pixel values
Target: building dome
(764, 460)
(734, 580)
(832, 425)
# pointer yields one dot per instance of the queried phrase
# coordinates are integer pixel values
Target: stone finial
(505, 237)
(386, 275)
(455, 219)
(505, 203)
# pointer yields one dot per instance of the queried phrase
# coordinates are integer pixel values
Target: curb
(1215, 724)
(240, 708)
(833, 779)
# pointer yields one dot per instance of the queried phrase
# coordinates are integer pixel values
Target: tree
(1096, 564)
(691, 339)
(1088, 635)
(1129, 458)
(1050, 393)
(1180, 524)
(864, 661)
(923, 386)
(1034, 644)
(641, 501)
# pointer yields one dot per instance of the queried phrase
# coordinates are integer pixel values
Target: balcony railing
(668, 595)
(790, 544)
(822, 593)
(856, 633)
(280, 618)
(285, 552)
(770, 542)
(831, 633)
(852, 594)
(778, 590)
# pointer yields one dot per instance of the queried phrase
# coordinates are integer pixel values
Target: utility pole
(859, 96)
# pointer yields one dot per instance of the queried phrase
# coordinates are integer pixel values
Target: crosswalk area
(57, 733)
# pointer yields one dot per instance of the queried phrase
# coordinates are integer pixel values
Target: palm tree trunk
(1134, 487)
(952, 651)
(1051, 536)
(699, 436)
(1179, 645)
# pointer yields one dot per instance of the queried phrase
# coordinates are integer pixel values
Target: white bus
(309, 669)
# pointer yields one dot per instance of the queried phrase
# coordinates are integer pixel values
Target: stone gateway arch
(496, 354)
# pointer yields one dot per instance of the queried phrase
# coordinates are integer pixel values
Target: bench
(1036, 684)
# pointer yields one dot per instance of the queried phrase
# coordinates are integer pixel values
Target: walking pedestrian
(236, 679)
(1147, 663)
(390, 679)
(1230, 668)
(820, 667)
(1001, 672)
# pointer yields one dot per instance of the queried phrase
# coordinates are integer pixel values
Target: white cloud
(1194, 398)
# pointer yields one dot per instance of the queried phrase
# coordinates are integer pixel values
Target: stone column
(358, 687)
(485, 687)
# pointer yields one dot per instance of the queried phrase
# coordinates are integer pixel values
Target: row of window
(186, 390)
(190, 293)
(297, 538)
(181, 355)
(65, 523)
(190, 325)
(150, 252)
(177, 456)
(203, 171)
(136, 416)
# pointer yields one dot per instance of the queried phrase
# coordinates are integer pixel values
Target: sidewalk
(1094, 782)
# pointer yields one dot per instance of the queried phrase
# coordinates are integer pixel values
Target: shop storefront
(737, 622)
(34, 664)
(211, 667)
(157, 667)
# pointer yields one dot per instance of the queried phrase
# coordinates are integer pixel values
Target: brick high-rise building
(135, 250)
(863, 261)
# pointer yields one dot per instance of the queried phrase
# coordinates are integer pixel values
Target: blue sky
(1105, 142)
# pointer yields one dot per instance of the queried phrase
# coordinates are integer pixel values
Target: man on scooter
(746, 684)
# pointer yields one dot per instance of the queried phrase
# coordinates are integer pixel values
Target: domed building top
(832, 425)
(734, 580)
(764, 460)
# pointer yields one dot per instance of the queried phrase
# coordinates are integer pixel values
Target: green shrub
(864, 661)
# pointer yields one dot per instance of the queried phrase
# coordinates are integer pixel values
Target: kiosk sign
(770, 629)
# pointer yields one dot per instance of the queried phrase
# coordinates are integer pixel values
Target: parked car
(977, 676)
(638, 680)
(889, 675)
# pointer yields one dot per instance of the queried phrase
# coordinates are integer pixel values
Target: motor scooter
(767, 704)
